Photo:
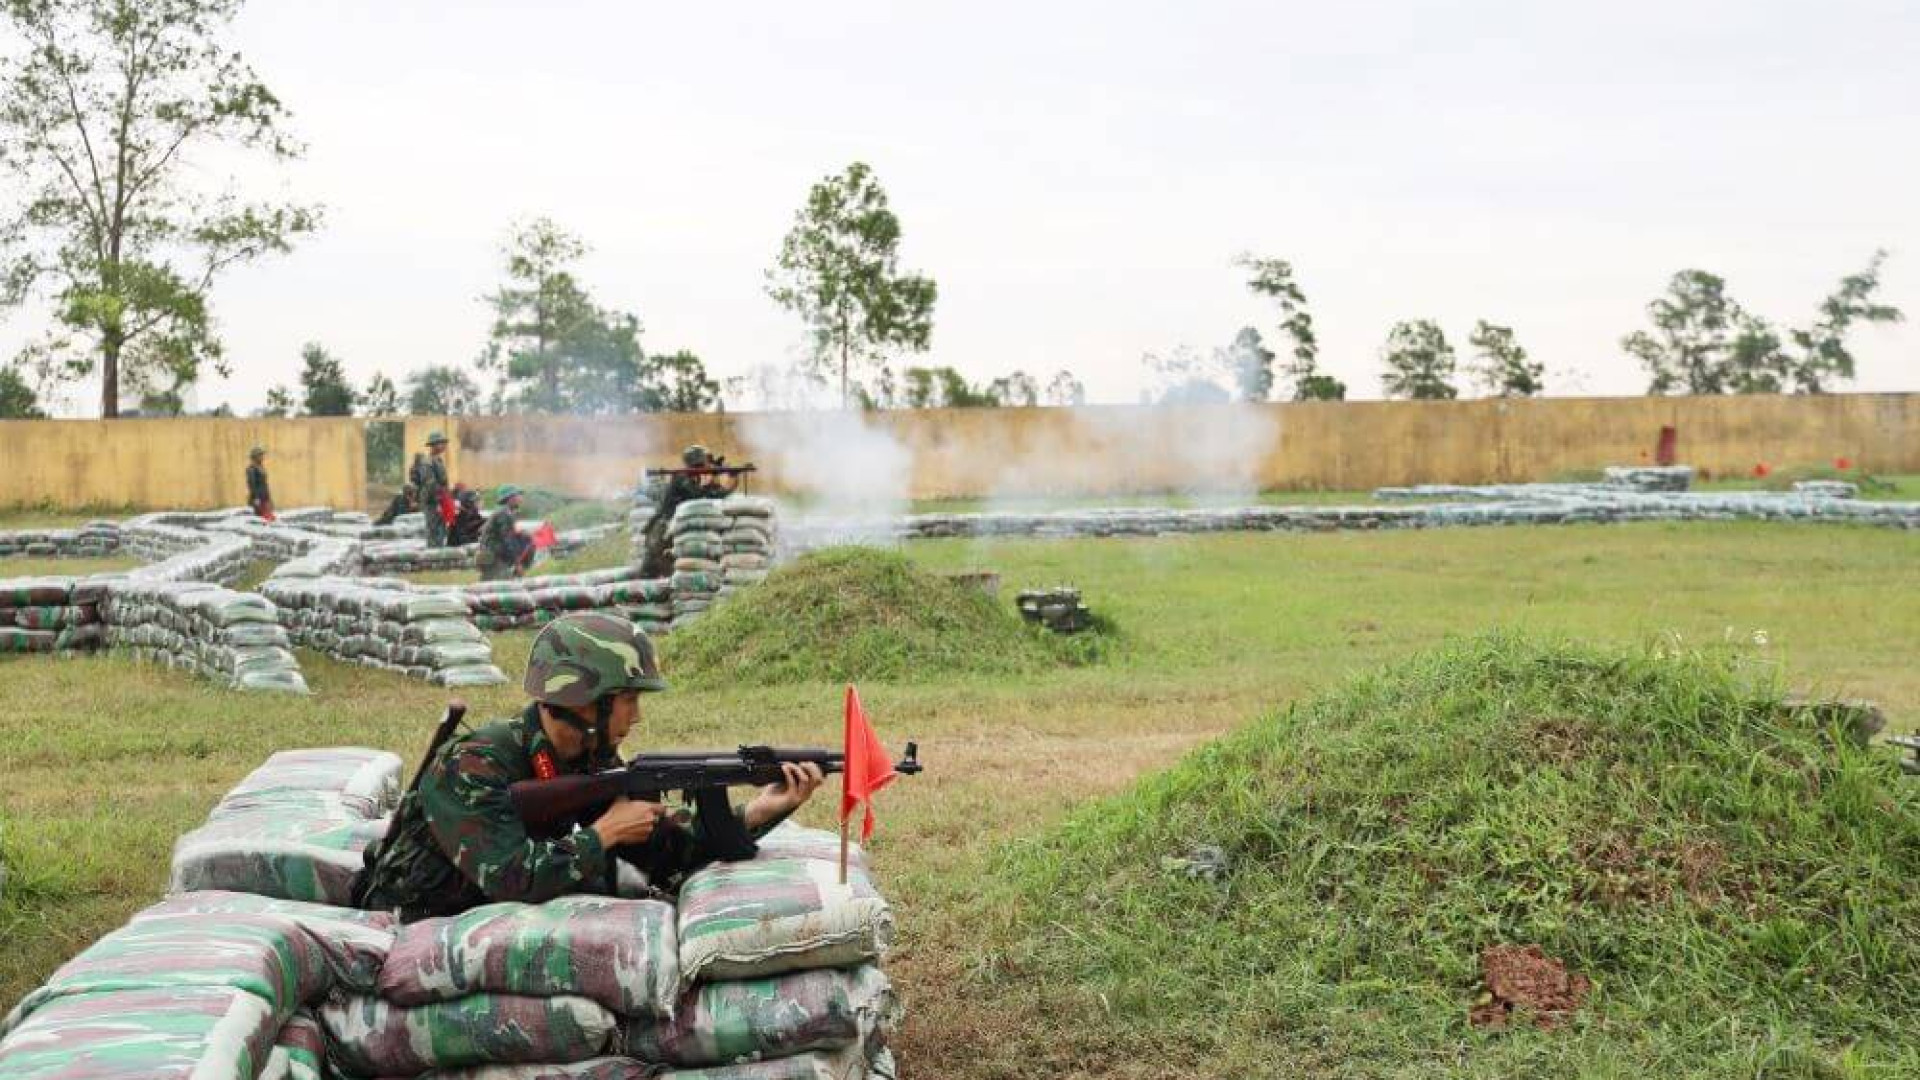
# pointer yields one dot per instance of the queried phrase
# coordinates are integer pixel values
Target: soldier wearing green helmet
(456, 843)
(687, 483)
(504, 551)
(259, 495)
(428, 478)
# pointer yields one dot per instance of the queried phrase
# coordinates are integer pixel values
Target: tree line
(106, 102)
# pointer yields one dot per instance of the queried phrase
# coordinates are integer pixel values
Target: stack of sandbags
(208, 630)
(748, 544)
(414, 556)
(646, 501)
(778, 960)
(1827, 489)
(329, 557)
(698, 537)
(387, 624)
(204, 986)
(1650, 477)
(214, 558)
(510, 984)
(295, 828)
(51, 614)
(521, 603)
(93, 539)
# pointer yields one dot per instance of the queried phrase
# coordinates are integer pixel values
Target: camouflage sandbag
(299, 1051)
(690, 564)
(268, 956)
(852, 1063)
(15, 640)
(182, 1033)
(471, 675)
(370, 1037)
(354, 943)
(36, 592)
(778, 912)
(599, 1068)
(271, 854)
(619, 953)
(753, 1019)
(368, 781)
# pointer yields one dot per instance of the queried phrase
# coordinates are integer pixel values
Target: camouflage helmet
(694, 456)
(579, 659)
(507, 491)
(258, 451)
(436, 438)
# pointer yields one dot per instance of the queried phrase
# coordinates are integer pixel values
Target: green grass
(30, 566)
(107, 761)
(1651, 818)
(857, 613)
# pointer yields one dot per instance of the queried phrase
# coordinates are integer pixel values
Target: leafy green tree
(1691, 340)
(106, 119)
(1420, 362)
(1066, 389)
(325, 390)
(381, 398)
(540, 314)
(1501, 365)
(678, 382)
(18, 400)
(838, 270)
(943, 388)
(279, 402)
(1018, 390)
(1821, 353)
(442, 390)
(1251, 363)
(1273, 279)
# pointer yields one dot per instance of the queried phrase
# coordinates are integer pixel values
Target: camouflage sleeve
(467, 809)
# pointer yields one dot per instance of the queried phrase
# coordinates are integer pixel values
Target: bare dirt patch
(1521, 980)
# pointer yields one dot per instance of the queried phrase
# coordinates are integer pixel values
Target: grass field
(106, 761)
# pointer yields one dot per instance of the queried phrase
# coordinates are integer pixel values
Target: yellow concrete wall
(976, 452)
(179, 463)
(1120, 449)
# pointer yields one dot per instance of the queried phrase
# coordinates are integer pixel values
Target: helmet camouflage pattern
(258, 451)
(579, 659)
(694, 456)
(436, 438)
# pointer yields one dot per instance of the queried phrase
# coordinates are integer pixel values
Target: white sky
(1078, 176)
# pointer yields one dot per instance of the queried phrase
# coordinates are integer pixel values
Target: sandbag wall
(234, 638)
(1503, 505)
(646, 500)
(212, 984)
(523, 603)
(51, 614)
(766, 970)
(719, 546)
(92, 540)
(387, 624)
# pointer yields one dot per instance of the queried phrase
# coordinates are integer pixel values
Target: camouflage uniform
(456, 843)
(429, 479)
(683, 487)
(468, 520)
(501, 546)
(259, 496)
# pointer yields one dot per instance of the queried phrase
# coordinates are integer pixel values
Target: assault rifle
(549, 807)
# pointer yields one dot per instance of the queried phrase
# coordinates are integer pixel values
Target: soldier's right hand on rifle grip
(628, 822)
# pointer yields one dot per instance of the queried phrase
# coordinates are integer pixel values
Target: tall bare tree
(105, 112)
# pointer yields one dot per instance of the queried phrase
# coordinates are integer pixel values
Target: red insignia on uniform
(543, 766)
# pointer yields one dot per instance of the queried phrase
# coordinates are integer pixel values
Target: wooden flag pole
(843, 847)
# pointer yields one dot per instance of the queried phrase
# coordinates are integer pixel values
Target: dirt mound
(1652, 821)
(855, 613)
(1523, 979)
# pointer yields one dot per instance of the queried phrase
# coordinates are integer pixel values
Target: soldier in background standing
(429, 479)
(259, 496)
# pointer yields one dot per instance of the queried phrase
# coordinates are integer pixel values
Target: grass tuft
(1739, 884)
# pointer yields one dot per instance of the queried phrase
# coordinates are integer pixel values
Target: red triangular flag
(868, 767)
(447, 509)
(543, 537)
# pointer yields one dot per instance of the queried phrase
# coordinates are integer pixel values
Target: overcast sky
(1079, 176)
